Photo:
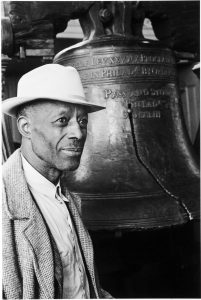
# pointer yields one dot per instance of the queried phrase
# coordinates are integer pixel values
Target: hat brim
(10, 105)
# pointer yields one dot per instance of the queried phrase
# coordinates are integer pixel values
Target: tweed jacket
(31, 263)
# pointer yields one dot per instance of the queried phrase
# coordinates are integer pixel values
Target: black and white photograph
(100, 149)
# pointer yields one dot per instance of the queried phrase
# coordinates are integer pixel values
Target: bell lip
(10, 105)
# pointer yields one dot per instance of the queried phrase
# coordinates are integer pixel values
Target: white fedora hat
(49, 82)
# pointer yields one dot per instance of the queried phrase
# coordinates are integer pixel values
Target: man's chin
(70, 166)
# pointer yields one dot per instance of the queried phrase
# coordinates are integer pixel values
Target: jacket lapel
(20, 206)
(36, 235)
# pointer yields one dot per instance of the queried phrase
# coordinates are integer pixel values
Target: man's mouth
(72, 151)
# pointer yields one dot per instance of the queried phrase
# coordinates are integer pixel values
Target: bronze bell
(138, 169)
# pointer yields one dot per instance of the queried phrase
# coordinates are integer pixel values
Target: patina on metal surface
(138, 169)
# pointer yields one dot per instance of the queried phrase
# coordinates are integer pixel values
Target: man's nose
(75, 131)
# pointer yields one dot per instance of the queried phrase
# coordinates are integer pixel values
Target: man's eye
(83, 123)
(62, 120)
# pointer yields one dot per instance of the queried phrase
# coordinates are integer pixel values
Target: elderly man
(47, 251)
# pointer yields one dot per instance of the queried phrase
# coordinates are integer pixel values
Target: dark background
(162, 263)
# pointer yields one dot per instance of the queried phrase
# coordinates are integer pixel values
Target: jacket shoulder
(11, 164)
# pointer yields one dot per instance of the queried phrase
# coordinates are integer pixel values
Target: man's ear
(24, 126)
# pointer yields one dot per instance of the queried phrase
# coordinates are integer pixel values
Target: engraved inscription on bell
(117, 59)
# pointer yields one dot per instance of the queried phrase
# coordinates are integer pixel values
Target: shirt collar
(38, 182)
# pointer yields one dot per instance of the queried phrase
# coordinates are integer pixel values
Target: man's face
(58, 134)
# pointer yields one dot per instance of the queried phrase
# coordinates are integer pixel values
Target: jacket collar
(19, 203)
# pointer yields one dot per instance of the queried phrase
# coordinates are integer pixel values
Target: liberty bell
(138, 169)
